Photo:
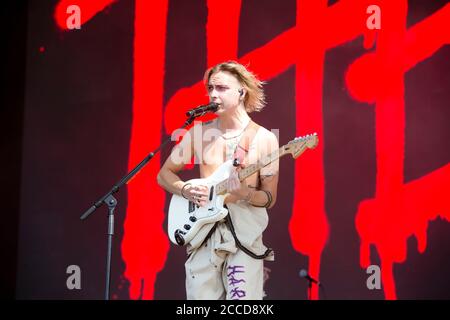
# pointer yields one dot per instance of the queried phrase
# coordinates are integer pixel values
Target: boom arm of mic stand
(132, 173)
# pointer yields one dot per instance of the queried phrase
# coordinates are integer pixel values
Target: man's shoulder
(264, 133)
(265, 141)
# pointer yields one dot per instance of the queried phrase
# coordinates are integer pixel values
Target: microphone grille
(303, 273)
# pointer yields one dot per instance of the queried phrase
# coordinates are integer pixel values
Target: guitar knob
(192, 218)
(179, 237)
(187, 227)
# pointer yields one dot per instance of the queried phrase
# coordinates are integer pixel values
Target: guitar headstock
(298, 145)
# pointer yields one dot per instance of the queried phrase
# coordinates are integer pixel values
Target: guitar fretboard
(221, 187)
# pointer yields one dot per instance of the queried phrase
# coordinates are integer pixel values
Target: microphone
(200, 110)
(304, 274)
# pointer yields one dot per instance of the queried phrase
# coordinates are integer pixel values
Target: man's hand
(237, 189)
(197, 194)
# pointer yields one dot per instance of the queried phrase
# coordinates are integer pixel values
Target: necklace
(233, 137)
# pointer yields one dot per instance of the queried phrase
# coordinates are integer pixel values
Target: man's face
(223, 88)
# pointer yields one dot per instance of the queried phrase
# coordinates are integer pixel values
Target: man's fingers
(200, 194)
(200, 190)
(231, 185)
(233, 182)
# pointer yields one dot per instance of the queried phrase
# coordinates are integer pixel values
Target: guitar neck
(251, 169)
(296, 147)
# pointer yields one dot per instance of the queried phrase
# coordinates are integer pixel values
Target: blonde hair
(255, 99)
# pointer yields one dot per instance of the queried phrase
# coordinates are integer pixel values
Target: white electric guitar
(186, 218)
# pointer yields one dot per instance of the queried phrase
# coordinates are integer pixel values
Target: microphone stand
(304, 274)
(309, 289)
(321, 287)
(111, 202)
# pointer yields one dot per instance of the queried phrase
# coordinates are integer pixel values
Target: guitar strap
(242, 247)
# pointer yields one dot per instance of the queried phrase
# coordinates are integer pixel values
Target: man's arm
(180, 156)
(168, 179)
(267, 194)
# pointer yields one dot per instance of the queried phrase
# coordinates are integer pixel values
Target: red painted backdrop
(372, 78)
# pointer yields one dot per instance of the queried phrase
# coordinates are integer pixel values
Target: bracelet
(269, 200)
(182, 189)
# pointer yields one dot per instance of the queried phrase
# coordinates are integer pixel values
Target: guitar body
(185, 218)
